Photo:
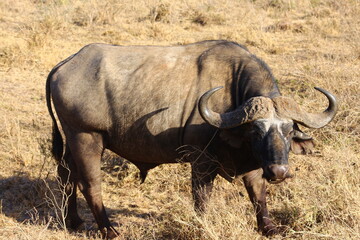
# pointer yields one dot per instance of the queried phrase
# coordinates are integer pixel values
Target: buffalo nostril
(279, 171)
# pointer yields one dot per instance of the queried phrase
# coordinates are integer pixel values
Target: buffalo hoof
(270, 230)
(109, 233)
(75, 223)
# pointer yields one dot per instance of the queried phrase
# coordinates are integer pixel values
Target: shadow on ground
(26, 200)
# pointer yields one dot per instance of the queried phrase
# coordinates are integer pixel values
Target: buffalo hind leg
(203, 173)
(256, 188)
(86, 149)
(67, 173)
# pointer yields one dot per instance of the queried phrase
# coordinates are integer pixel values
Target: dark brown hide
(141, 102)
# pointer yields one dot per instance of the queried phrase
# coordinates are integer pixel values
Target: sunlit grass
(306, 43)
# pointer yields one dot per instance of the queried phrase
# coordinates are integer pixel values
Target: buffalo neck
(254, 78)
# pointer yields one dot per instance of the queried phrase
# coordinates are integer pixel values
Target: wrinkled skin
(141, 102)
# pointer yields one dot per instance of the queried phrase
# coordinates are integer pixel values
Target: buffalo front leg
(203, 173)
(256, 187)
(86, 149)
(67, 175)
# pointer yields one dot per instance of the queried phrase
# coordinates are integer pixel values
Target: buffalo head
(272, 128)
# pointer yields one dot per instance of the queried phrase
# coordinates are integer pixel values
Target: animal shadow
(31, 201)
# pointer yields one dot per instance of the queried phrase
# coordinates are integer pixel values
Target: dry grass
(307, 43)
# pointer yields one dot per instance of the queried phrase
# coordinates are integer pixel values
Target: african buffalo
(155, 105)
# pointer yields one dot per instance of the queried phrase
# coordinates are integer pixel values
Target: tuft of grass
(160, 13)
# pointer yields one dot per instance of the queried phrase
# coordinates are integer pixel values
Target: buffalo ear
(301, 143)
(302, 147)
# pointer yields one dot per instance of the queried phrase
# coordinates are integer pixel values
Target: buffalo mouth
(275, 181)
(278, 180)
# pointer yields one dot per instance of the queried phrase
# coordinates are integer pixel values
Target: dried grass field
(307, 43)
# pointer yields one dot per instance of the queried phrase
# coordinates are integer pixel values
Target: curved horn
(288, 108)
(252, 109)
